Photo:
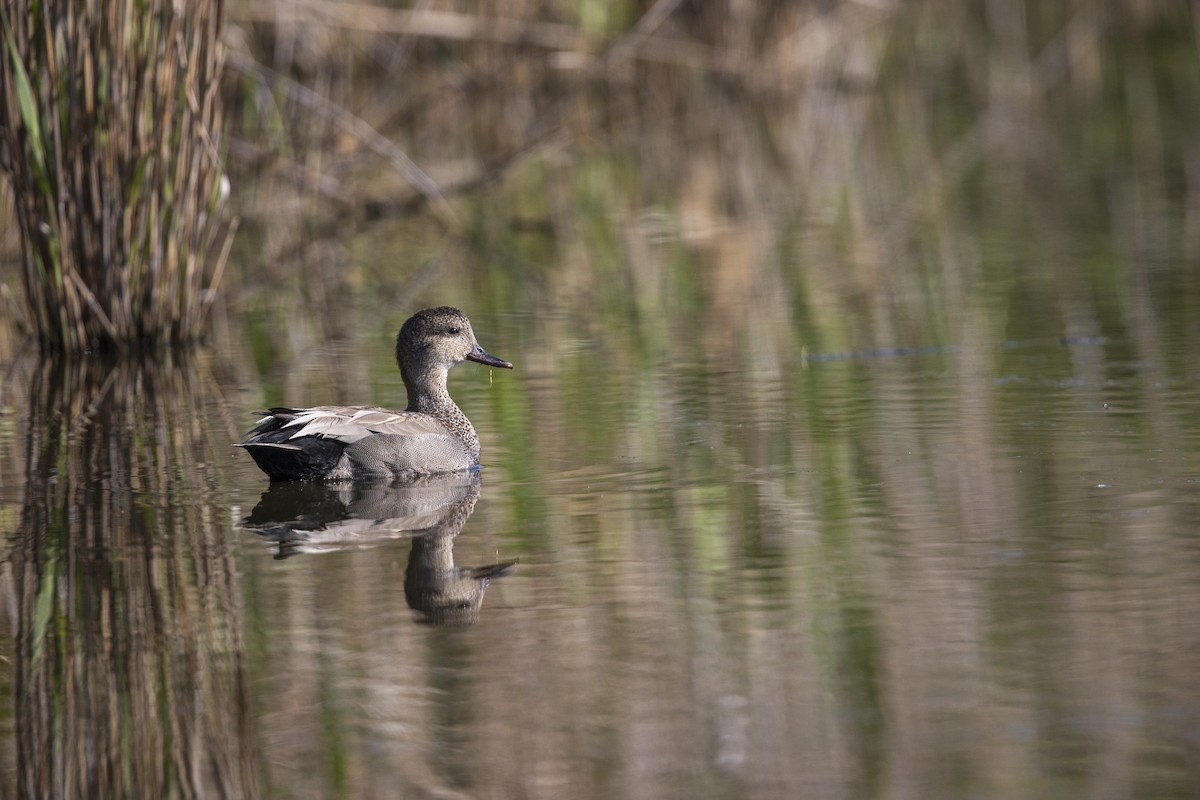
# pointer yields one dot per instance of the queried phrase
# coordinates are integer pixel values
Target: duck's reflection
(304, 517)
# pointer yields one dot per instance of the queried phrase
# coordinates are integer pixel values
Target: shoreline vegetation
(113, 130)
(887, 129)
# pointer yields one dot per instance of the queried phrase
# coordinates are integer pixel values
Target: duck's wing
(346, 442)
(349, 425)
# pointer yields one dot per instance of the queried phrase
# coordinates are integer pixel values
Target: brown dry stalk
(359, 128)
(453, 26)
(113, 121)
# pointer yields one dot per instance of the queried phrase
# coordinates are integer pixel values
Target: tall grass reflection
(129, 677)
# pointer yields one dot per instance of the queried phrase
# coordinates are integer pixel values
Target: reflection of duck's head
(431, 436)
(444, 594)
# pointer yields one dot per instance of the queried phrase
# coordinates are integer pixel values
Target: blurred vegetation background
(832, 165)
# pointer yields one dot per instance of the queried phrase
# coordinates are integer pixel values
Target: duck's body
(344, 442)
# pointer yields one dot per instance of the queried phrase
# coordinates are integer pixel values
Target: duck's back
(334, 443)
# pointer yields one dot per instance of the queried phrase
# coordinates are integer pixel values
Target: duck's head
(440, 337)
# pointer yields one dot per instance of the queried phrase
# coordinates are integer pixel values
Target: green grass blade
(29, 112)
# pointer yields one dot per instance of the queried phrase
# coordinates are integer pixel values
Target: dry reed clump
(112, 119)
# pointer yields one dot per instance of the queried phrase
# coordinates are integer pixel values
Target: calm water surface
(964, 572)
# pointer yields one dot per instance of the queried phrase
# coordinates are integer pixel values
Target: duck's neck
(427, 394)
(426, 389)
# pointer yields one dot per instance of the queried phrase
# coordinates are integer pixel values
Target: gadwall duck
(345, 442)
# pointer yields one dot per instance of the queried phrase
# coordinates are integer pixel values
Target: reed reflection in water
(935, 572)
(128, 673)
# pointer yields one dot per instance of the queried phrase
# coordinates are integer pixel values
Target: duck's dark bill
(484, 357)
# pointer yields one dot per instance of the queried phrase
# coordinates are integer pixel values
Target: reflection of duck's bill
(484, 357)
(492, 571)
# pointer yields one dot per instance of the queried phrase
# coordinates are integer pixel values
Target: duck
(431, 436)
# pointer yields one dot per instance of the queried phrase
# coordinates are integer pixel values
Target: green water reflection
(963, 571)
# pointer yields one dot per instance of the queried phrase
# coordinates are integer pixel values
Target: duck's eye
(454, 330)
